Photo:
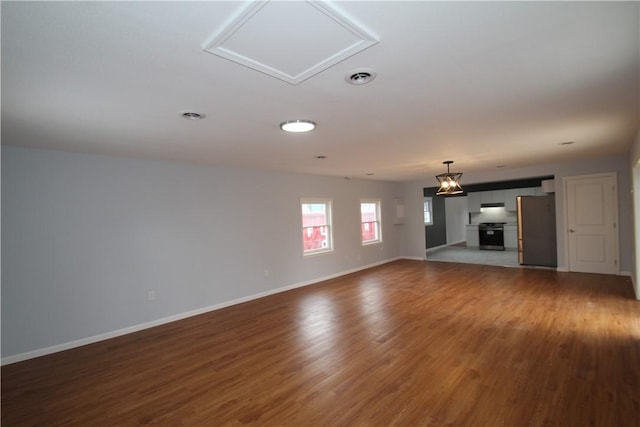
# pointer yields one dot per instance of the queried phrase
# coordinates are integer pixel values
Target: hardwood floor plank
(406, 343)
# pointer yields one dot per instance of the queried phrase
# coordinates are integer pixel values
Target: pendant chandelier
(449, 182)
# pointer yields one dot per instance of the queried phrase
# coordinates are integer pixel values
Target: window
(428, 212)
(316, 226)
(370, 221)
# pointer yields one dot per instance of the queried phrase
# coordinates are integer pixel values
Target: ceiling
(484, 84)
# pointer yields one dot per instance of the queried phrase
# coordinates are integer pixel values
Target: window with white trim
(371, 225)
(316, 226)
(428, 211)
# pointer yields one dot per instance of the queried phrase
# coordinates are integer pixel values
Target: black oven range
(491, 235)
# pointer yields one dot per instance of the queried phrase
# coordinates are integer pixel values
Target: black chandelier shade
(449, 182)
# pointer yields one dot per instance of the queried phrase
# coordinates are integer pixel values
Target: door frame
(635, 188)
(565, 185)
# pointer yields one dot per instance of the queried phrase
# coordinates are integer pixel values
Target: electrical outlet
(151, 295)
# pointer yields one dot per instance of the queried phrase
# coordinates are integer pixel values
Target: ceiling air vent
(360, 77)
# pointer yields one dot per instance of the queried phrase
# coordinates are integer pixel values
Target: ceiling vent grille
(360, 77)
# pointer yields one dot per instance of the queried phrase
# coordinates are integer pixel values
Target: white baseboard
(621, 273)
(135, 328)
(435, 248)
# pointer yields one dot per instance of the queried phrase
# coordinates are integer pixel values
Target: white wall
(86, 237)
(457, 215)
(413, 237)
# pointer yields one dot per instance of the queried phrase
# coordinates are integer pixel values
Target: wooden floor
(409, 343)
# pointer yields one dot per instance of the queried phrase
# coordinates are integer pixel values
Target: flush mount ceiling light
(449, 182)
(360, 76)
(192, 115)
(297, 126)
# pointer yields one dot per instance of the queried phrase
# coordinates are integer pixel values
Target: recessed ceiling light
(297, 126)
(567, 143)
(192, 115)
(360, 76)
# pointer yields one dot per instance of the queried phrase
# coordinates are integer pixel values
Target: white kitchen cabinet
(511, 237)
(473, 202)
(528, 191)
(473, 239)
(494, 196)
(511, 194)
(510, 199)
(548, 186)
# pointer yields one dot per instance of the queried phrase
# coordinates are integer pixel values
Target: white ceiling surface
(483, 84)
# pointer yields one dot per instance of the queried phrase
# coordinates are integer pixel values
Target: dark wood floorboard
(408, 343)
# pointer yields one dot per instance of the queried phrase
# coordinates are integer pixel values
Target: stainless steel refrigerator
(537, 230)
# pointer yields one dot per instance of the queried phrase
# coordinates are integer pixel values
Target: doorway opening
(454, 231)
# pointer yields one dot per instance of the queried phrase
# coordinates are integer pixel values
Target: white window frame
(318, 201)
(378, 221)
(428, 207)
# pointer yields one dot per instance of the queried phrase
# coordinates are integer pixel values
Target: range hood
(491, 205)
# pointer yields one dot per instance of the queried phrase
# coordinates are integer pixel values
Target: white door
(592, 223)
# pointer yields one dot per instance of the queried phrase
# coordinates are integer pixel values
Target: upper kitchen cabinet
(511, 194)
(495, 196)
(474, 201)
(548, 186)
(505, 192)
(529, 191)
(510, 198)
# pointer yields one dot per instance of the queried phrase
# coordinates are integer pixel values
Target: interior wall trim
(635, 288)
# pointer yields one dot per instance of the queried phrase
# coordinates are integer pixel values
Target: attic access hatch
(291, 41)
